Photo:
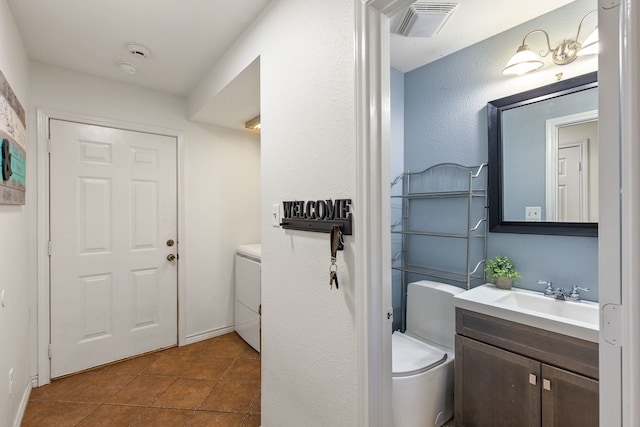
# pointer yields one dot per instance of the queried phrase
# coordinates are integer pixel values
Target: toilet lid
(411, 357)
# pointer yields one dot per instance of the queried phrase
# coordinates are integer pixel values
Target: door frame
(618, 73)
(372, 230)
(629, 156)
(43, 221)
(584, 178)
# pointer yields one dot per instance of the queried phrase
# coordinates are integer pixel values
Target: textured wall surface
(15, 351)
(307, 67)
(308, 153)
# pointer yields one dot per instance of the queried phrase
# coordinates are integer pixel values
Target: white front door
(113, 213)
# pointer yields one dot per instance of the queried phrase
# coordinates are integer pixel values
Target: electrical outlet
(533, 213)
(10, 380)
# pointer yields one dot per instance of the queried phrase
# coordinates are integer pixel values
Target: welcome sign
(317, 215)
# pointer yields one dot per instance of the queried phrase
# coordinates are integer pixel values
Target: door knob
(170, 242)
(171, 257)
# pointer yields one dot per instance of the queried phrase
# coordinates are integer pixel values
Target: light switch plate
(275, 215)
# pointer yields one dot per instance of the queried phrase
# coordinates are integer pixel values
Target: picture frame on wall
(12, 147)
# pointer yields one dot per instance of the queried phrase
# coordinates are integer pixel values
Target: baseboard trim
(201, 336)
(24, 401)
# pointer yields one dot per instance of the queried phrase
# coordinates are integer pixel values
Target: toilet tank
(430, 311)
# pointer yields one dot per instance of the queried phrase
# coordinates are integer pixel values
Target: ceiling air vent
(424, 19)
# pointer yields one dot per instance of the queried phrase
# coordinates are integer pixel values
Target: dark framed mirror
(543, 164)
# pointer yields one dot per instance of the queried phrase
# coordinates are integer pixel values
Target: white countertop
(576, 319)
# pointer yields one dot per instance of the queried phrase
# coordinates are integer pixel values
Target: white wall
(308, 98)
(221, 181)
(306, 49)
(14, 317)
(222, 211)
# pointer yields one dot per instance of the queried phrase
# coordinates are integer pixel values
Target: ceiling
(187, 38)
(471, 22)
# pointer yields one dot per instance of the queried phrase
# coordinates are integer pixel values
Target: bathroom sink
(577, 319)
(577, 311)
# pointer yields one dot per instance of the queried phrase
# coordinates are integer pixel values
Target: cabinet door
(494, 387)
(568, 399)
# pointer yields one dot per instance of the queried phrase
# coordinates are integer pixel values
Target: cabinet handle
(546, 384)
(533, 379)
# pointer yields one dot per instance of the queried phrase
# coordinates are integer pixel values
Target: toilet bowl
(423, 357)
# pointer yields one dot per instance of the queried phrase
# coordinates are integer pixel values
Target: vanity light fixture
(253, 124)
(525, 60)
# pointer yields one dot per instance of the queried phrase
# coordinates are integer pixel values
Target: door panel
(571, 400)
(113, 204)
(495, 387)
(571, 203)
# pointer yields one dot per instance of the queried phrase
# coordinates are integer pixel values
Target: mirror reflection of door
(572, 168)
(572, 199)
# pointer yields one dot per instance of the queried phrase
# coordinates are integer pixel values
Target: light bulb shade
(590, 45)
(522, 62)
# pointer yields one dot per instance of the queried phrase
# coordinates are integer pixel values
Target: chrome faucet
(548, 290)
(560, 293)
(574, 295)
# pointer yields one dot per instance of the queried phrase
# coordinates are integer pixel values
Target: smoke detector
(127, 68)
(138, 50)
(423, 19)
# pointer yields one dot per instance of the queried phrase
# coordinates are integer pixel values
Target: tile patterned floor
(212, 383)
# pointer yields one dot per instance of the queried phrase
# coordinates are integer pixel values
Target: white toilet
(423, 357)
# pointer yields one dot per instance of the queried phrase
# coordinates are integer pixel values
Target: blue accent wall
(445, 120)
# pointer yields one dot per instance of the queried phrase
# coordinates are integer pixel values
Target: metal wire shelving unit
(425, 227)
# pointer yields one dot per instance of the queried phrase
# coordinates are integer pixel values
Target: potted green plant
(502, 272)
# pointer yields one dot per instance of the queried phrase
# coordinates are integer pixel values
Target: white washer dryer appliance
(247, 305)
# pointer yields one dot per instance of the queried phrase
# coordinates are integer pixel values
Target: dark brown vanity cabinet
(572, 399)
(508, 374)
